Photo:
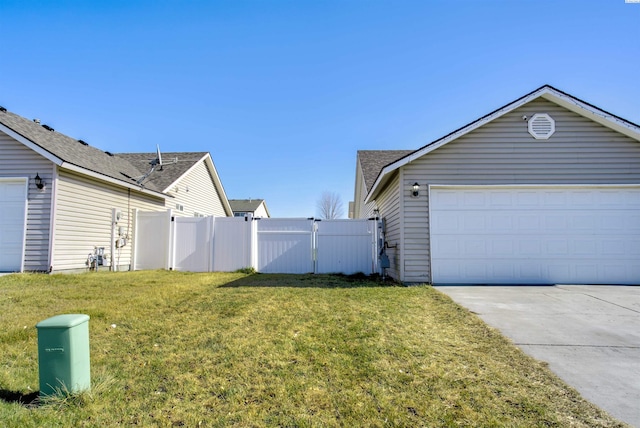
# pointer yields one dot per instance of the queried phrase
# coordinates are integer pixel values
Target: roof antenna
(154, 163)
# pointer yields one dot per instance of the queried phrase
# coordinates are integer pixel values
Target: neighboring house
(255, 207)
(543, 190)
(54, 226)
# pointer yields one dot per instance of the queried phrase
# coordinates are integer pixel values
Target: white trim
(98, 176)
(53, 211)
(134, 225)
(546, 92)
(430, 258)
(219, 186)
(401, 212)
(30, 144)
(533, 186)
(191, 168)
(217, 183)
(66, 165)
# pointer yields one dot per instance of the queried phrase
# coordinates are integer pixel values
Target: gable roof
(72, 154)
(372, 161)
(547, 92)
(163, 177)
(247, 205)
(122, 168)
(175, 166)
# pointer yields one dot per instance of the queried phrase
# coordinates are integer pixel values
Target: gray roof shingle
(372, 162)
(163, 177)
(245, 205)
(125, 167)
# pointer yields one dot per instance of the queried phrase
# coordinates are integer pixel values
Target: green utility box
(63, 354)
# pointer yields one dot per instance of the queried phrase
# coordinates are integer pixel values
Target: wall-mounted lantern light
(38, 181)
(415, 190)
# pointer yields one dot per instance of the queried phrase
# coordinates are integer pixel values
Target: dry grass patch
(275, 350)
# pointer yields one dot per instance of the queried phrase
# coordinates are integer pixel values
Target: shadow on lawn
(358, 280)
(29, 400)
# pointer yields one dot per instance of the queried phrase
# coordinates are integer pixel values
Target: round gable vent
(541, 126)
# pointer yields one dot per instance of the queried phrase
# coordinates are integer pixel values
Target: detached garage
(544, 190)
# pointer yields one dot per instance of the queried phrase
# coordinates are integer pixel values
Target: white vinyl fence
(269, 245)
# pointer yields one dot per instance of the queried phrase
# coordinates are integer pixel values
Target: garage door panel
(543, 235)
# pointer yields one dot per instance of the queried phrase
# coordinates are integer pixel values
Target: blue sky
(284, 93)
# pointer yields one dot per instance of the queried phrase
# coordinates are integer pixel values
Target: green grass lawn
(274, 350)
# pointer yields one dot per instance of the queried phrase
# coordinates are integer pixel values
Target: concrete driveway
(589, 335)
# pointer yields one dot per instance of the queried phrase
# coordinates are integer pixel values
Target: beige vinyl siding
(389, 203)
(196, 193)
(261, 211)
(16, 160)
(84, 215)
(503, 152)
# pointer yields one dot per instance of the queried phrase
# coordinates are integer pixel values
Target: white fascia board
(594, 113)
(69, 166)
(187, 172)
(30, 144)
(101, 177)
(218, 184)
(447, 139)
(550, 94)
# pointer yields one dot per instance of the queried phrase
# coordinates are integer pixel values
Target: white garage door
(13, 203)
(535, 235)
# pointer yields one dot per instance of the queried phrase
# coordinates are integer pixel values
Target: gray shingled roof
(372, 162)
(125, 167)
(161, 178)
(245, 205)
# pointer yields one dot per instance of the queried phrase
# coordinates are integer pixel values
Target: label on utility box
(57, 350)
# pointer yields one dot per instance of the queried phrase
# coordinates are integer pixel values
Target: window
(239, 214)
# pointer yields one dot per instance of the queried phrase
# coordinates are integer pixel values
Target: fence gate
(232, 244)
(346, 246)
(285, 245)
(151, 241)
(192, 245)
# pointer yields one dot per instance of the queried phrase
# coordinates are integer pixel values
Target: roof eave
(547, 92)
(218, 183)
(30, 144)
(96, 175)
(72, 167)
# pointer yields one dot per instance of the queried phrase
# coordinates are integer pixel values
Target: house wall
(503, 152)
(261, 212)
(16, 160)
(196, 193)
(361, 209)
(389, 203)
(83, 217)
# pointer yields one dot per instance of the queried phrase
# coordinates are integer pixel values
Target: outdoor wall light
(38, 181)
(415, 190)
